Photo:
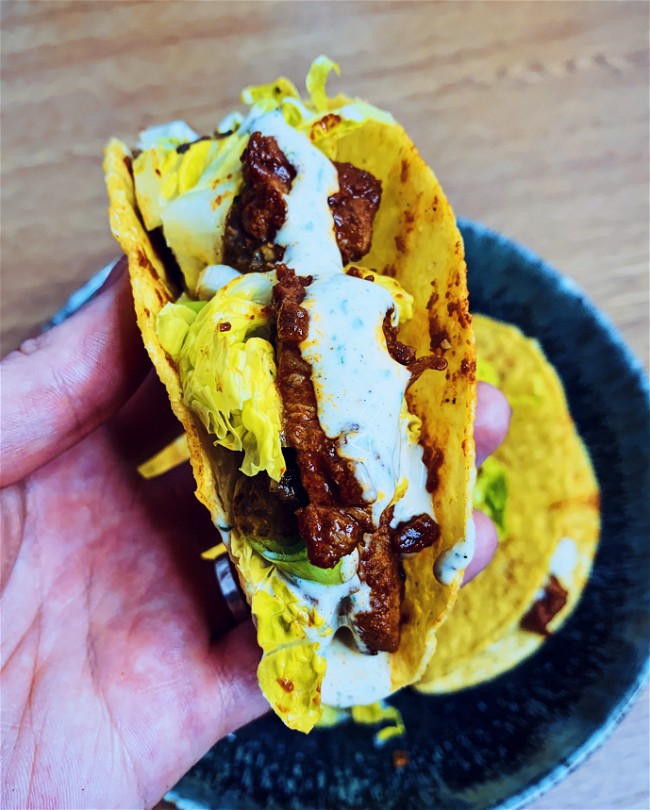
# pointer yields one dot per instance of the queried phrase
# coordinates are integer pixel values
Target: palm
(112, 686)
(116, 647)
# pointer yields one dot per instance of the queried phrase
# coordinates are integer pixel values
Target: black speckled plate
(500, 743)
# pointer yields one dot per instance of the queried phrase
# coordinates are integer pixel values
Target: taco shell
(417, 243)
(543, 495)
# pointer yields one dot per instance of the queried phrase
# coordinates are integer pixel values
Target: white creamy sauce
(308, 232)
(457, 558)
(359, 387)
(349, 565)
(213, 278)
(353, 678)
(416, 500)
(326, 599)
(564, 560)
(177, 131)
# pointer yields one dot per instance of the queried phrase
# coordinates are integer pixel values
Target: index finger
(493, 414)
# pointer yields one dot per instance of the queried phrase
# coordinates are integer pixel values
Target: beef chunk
(354, 207)
(416, 534)
(329, 533)
(379, 628)
(260, 210)
(543, 610)
(266, 509)
(327, 478)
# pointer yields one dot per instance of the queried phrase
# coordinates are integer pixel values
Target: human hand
(118, 669)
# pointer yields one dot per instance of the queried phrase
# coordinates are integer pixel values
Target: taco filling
(287, 350)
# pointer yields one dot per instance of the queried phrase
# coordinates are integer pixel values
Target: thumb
(57, 388)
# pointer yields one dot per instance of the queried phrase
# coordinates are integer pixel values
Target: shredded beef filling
(379, 627)
(328, 529)
(353, 208)
(327, 502)
(259, 211)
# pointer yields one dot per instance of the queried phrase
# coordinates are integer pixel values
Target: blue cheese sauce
(565, 559)
(212, 279)
(352, 676)
(456, 559)
(416, 500)
(359, 388)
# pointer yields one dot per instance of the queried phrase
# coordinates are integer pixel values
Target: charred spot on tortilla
(545, 608)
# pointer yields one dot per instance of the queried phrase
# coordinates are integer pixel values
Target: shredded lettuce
(291, 671)
(227, 368)
(186, 184)
(491, 493)
(316, 81)
(189, 193)
(325, 119)
(370, 715)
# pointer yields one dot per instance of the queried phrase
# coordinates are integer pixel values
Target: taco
(300, 286)
(540, 490)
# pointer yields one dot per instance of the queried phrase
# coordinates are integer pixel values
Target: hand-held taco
(300, 286)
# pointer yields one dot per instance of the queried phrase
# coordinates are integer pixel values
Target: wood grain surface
(534, 116)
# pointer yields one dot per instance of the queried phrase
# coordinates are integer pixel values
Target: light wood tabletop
(533, 115)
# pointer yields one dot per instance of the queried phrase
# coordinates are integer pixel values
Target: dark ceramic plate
(501, 743)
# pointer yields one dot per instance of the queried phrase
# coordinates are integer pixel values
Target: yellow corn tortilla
(415, 240)
(552, 496)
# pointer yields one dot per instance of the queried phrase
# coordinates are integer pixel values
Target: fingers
(59, 387)
(486, 545)
(493, 414)
(146, 423)
(236, 657)
(224, 697)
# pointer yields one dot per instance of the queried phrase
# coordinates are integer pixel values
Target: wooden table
(534, 116)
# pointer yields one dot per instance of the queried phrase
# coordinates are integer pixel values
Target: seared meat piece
(379, 628)
(327, 478)
(329, 533)
(354, 207)
(268, 176)
(260, 210)
(417, 534)
(266, 509)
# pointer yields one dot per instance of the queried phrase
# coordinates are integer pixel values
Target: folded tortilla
(210, 334)
(540, 490)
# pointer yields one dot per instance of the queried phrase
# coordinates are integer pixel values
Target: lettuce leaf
(491, 493)
(291, 671)
(227, 368)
